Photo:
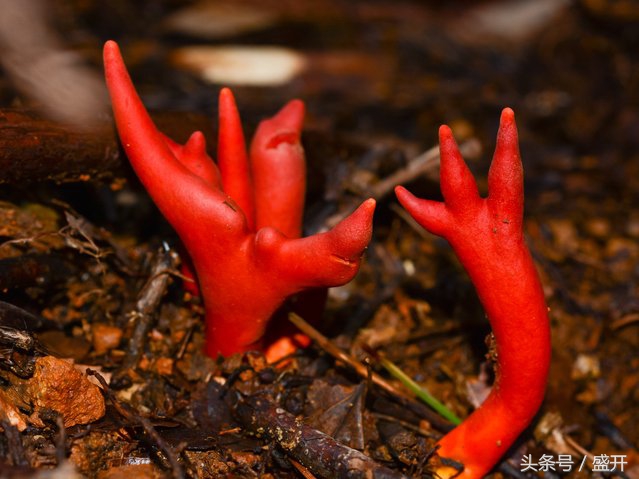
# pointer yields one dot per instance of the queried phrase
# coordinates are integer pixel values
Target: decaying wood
(35, 149)
(317, 451)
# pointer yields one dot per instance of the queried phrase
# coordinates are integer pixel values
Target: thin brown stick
(360, 368)
(301, 469)
(405, 424)
(363, 371)
(148, 302)
(624, 321)
(425, 164)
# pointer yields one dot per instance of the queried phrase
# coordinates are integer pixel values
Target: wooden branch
(35, 149)
(148, 303)
(320, 453)
(426, 164)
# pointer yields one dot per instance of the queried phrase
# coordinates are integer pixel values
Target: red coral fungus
(240, 220)
(487, 236)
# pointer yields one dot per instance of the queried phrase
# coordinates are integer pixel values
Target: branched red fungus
(240, 221)
(487, 236)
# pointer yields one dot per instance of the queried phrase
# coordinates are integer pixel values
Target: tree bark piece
(320, 453)
(35, 149)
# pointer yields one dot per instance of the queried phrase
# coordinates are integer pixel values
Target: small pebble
(105, 338)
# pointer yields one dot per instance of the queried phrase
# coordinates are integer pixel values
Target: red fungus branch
(240, 221)
(487, 236)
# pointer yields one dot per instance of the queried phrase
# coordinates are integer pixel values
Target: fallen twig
(127, 413)
(425, 164)
(363, 371)
(412, 386)
(148, 301)
(317, 451)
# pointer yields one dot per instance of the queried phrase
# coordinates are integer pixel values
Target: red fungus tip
(115, 70)
(196, 141)
(368, 205)
(325, 259)
(507, 115)
(284, 127)
(290, 116)
(114, 65)
(232, 157)
(507, 134)
(279, 171)
(445, 132)
(401, 192)
(449, 153)
(110, 47)
(355, 231)
(227, 105)
(194, 156)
